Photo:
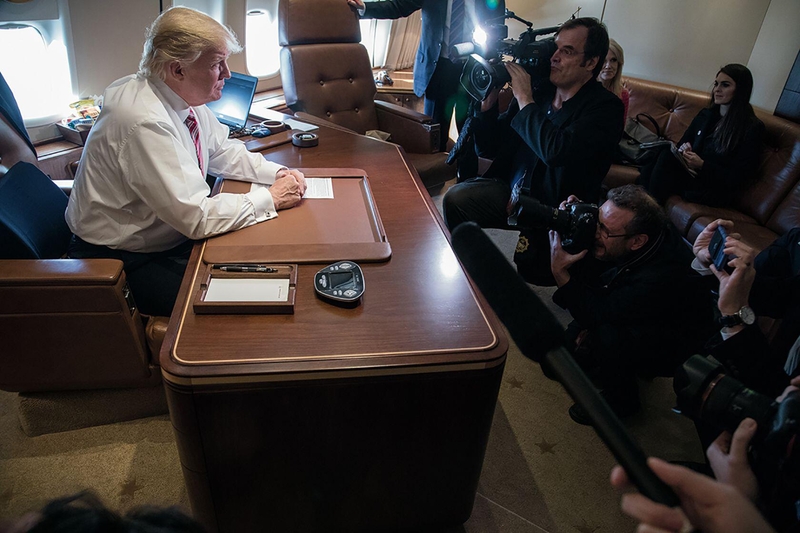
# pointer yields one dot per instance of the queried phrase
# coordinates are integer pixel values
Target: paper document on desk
(315, 188)
(247, 290)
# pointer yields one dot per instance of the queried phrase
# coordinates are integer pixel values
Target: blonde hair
(615, 84)
(182, 34)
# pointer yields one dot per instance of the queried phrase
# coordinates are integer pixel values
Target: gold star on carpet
(515, 383)
(586, 528)
(546, 447)
(128, 489)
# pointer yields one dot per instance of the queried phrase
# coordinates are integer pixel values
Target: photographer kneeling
(644, 313)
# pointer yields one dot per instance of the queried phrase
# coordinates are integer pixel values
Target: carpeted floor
(542, 472)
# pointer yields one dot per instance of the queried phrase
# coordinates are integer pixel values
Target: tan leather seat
(326, 73)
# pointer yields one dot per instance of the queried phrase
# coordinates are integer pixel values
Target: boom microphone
(532, 326)
(539, 336)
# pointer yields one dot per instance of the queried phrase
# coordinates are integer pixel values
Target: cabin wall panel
(107, 40)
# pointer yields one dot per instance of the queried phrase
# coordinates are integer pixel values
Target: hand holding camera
(701, 247)
(520, 84)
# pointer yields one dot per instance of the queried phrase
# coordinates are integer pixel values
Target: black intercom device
(341, 282)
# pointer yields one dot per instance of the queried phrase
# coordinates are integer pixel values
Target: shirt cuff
(700, 268)
(263, 204)
(268, 170)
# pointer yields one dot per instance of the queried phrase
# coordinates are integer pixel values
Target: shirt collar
(171, 97)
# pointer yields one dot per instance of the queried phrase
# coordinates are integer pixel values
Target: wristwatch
(745, 316)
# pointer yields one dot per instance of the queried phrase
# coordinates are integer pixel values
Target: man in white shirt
(140, 193)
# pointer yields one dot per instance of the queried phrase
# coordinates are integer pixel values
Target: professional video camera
(577, 224)
(484, 68)
(705, 393)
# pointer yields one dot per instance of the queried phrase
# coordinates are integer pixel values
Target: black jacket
(722, 175)
(559, 153)
(655, 301)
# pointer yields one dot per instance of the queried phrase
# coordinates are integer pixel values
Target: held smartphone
(717, 250)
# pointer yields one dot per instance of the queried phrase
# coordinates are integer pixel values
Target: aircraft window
(261, 38)
(37, 72)
(375, 37)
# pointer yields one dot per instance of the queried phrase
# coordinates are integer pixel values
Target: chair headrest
(317, 21)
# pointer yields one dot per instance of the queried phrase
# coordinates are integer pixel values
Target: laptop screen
(237, 96)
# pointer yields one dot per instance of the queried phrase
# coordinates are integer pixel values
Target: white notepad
(247, 290)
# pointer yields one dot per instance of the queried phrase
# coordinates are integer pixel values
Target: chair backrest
(325, 70)
(32, 224)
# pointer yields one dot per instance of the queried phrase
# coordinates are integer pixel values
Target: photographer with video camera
(552, 142)
(645, 313)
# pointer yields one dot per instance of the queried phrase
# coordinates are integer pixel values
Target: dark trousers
(444, 97)
(664, 176)
(605, 357)
(154, 278)
(485, 202)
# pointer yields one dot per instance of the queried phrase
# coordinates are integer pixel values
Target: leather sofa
(766, 208)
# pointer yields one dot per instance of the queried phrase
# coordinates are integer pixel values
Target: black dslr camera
(705, 393)
(577, 224)
(484, 68)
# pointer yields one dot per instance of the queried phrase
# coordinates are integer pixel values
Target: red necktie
(194, 131)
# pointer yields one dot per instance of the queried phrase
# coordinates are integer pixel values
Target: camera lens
(705, 392)
(480, 78)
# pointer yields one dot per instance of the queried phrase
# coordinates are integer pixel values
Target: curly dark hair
(648, 217)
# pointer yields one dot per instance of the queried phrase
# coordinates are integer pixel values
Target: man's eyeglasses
(607, 235)
(568, 52)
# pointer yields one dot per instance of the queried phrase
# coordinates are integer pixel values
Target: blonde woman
(611, 75)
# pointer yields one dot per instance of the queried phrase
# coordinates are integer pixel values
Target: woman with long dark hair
(721, 147)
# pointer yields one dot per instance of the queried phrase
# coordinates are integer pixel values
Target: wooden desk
(366, 419)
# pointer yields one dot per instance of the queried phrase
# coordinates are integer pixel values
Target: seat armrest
(405, 112)
(311, 119)
(70, 324)
(59, 272)
(410, 129)
(155, 330)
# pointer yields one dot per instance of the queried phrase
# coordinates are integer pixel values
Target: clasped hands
(288, 189)
(693, 161)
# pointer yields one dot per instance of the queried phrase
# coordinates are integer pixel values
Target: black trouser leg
(154, 278)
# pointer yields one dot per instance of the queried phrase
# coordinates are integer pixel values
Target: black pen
(245, 268)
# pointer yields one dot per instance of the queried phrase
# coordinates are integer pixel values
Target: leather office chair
(326, 73)
(67, 324)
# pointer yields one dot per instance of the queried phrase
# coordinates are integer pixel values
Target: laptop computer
(233, 107)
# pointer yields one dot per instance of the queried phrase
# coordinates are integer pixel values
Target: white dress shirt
(139, 186)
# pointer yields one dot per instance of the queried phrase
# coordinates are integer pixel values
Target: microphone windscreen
(532, 326)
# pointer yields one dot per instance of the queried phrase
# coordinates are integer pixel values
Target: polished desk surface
(419, 309)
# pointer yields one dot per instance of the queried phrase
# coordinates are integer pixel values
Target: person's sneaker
(621, 408)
